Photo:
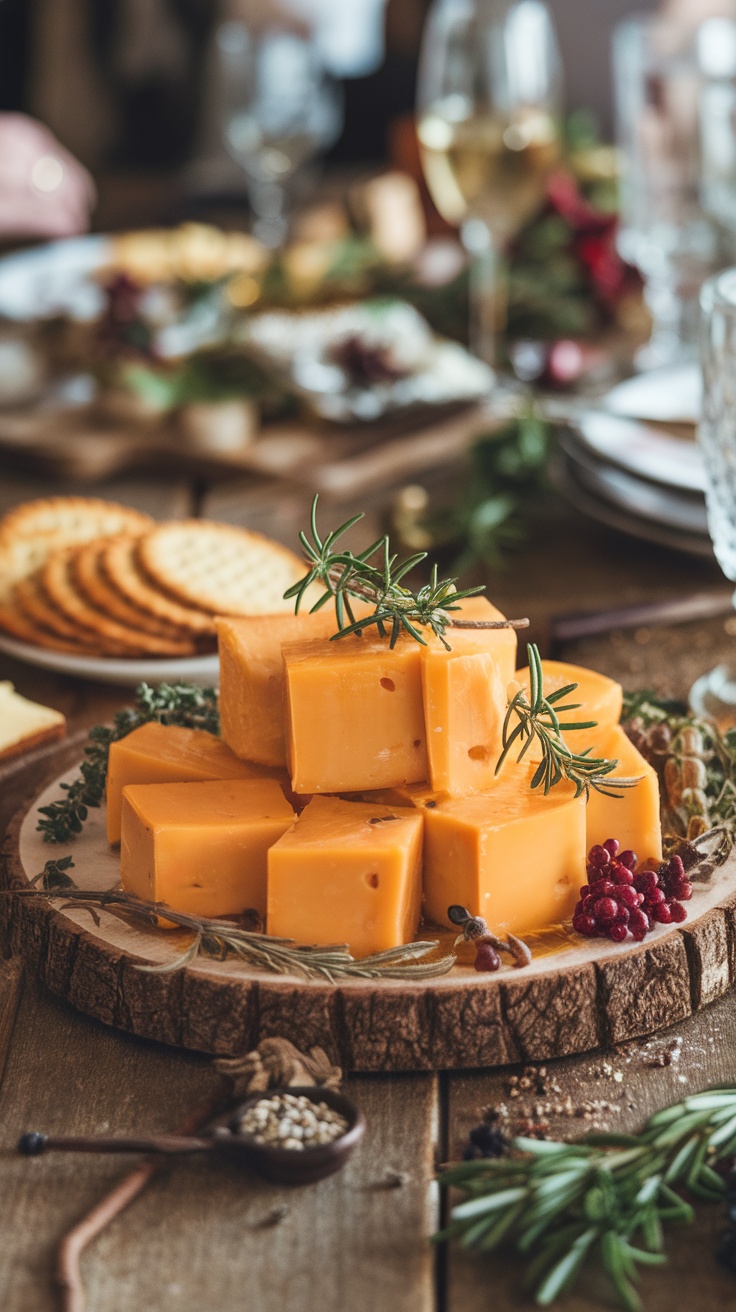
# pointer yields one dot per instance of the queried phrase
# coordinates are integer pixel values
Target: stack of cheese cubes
(355, 787)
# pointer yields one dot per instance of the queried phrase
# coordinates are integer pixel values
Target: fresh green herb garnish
(376, 576)
(219, 939)
(177, 703)
(537, 720)
(605, 1200)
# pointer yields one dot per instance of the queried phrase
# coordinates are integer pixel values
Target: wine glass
(664, 231)
(715, 693)
(280, 109)
(489, 105)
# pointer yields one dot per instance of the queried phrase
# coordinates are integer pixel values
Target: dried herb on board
(537, 721)
(604, 1200)
(219, 939)
(377, 577)
(695, 761)
(169, 703)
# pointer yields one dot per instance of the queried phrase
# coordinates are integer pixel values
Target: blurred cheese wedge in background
(168, 754)
(355, 718)
(347, 872)
(511, 855)
(464, 692)
(633, 816)
(202, 847)
(252, 678)
(25, 724)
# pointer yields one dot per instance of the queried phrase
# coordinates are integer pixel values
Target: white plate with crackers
(103, 592)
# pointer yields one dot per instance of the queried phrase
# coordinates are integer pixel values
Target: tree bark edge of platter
(475, 1023)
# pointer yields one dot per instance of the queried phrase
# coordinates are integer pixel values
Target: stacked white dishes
(633, 462)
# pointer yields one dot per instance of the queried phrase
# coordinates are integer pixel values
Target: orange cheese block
(347, 872)
(167, 754)
(252, 679)
(202, 847)
(464, 693)
(355, 718)
(634, 816)
(512, 855)
(599, 699)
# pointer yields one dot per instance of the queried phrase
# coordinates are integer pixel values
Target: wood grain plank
(11, 980)
(630, 1080)
(203, 1236)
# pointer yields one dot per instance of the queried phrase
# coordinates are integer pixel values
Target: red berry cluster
(618, 900)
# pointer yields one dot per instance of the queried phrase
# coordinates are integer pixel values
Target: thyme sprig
(537, 720)
(169, 703)
(220, 939)
(376, 576)
(605, 1199)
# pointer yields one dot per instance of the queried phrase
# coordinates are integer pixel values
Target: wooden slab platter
(582, 996)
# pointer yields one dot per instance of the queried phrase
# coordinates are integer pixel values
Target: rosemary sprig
(220, 939)
(376, 576)
(605, 1199)
(177, 703)
(537, 720)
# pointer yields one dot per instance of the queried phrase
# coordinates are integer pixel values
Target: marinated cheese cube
(355, 718)
(252, 679)
(511, 855)
(167, 754)
(634, 816)
(347, 872)
(202, 847)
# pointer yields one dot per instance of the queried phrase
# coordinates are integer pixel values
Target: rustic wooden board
(590, 994)
(204, 1235)
(697, 1053)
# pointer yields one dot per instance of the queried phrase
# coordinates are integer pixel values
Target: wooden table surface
(206, 1237)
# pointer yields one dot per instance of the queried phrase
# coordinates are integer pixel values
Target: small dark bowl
(288, 1165)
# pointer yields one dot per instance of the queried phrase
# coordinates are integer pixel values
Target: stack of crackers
(90, 577)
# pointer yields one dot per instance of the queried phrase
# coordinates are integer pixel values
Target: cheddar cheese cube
(347, 872)
(252, 679)
(633, 817)
(464, 693)
(599, 698)
(202, 847)
(167, 754)
(511, 855)
(355, 718)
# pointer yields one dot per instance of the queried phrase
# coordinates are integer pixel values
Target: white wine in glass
(490, 92)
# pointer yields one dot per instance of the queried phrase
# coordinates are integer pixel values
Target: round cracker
(71, 519)
(119, 564)
(30, 531)
(219, 568)
(99, 592)
(21, 626)
(57, 580)
(31, 600)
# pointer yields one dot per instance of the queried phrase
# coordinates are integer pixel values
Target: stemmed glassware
(665, 231)
(489, 110)
(280, 109)
(715, 693)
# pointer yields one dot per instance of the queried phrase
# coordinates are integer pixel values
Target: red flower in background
(593, 238)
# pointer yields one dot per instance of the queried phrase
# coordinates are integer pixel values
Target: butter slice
(25, 724)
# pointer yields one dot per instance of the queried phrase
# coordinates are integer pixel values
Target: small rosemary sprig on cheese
(604, 1201)
(177, 703)
(537, 720)
(220, 939)
(377, 577)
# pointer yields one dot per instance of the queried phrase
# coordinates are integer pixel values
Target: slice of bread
(25, 724)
